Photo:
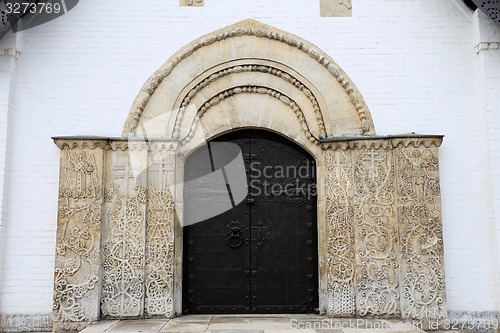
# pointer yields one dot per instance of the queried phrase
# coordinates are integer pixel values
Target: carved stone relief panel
(382, 194)
(192, 3)
(124, 230)
(376, 233)
(340, 238)
(335, 8)
(420, 228)
(160, 230)
(77, 266)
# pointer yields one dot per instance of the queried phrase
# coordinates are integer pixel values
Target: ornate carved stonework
(160, 232)
(124, 232)
(376, 233)
(419, 215)
(193, 3)
(250, 28)
(335, 8)
(340, 241)
(78, 238)
(123, 254)
(252, 69)
(120, 242)
(385, 192)
(252, 90)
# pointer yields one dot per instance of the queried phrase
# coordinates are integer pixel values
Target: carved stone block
(160, 231)
(420, 228)
(335, 8)
(340, 238)
(124, 231)
(376, 233)
(383, 195)
(78, 264)
(192, 3)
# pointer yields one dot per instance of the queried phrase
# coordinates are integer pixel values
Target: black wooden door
(259, 256)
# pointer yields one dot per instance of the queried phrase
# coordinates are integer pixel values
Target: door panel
(261, 255)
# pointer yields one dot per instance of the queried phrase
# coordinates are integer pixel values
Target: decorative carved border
(381, 142)
(252, 90)
(250, 68)
(262, 31)
(133, 144)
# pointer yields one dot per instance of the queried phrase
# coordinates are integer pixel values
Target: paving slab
(100, 326)
(138, 326)
(252, 324)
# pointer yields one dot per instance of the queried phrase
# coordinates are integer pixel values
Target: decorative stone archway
(119, 237)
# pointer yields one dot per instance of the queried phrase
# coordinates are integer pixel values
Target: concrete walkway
(252, 324)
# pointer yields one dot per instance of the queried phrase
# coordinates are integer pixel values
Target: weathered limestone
(192, 3)
(78, 250)
(385, 245)
(119, 240)
(335, 8)
(220, 58)
(109, 262)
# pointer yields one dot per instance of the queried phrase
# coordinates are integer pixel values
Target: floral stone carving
(117, 252)
(78, 239)
(382, 194)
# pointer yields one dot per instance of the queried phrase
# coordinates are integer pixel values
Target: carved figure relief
(78, 238)
(80, 179)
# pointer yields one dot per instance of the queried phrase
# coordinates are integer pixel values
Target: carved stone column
(376, 230)
(340, 233)
(124, 229)
(160, 230)
(420, 228)
(78, 263)
(385, 247)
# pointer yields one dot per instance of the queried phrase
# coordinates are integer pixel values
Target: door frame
(316, 155)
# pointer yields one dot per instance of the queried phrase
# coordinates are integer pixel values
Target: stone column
(78, 264)
(420, 229)
(376, 231)
(340, 232)
(124, 229)
(160, 230)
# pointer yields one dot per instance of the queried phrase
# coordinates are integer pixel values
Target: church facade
(161, 219)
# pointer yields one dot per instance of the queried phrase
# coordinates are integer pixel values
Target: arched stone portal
(119, 237)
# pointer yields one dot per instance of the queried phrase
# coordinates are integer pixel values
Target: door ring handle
(234, 240)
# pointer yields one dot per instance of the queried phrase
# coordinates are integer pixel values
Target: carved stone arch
(225, 57)
(380, 247)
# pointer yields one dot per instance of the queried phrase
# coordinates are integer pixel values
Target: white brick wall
(487, 36)
(8, 54)
(414, 62)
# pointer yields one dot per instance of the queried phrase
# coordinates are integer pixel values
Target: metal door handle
(235, 240)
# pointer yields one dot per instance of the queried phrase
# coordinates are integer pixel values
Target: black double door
(257, 251)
